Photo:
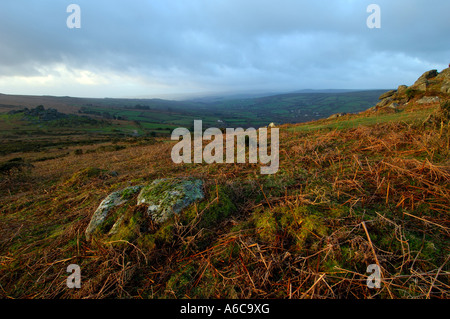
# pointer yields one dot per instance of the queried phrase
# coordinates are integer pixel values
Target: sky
(182, 48)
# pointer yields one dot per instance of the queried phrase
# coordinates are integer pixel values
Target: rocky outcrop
(444, 77)
(426, 90)
(423, 81)
(40, 113)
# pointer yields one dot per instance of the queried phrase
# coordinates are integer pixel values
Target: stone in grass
(167, 197)
(111, 201)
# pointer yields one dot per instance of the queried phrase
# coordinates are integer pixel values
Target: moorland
(367, 186)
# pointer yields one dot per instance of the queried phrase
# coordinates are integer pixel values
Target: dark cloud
(168, 46)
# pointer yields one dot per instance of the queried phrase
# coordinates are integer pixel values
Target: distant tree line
(103, 114)
(141, 107)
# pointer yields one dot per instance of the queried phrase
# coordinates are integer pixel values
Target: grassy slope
(350, 192)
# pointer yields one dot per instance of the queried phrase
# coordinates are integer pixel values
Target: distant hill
(327, 91)
(232, 110)
(292, 107)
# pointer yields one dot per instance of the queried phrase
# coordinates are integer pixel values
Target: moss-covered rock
(120, 216)
(166, 197)
(102, 213)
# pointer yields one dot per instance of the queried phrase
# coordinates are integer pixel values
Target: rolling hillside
(355, 190)
(247, 112)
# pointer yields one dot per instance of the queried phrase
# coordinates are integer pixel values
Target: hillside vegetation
(352, 190)
(165, 115)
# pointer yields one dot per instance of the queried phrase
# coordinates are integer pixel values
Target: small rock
(429, 100)
(402, 89)
(394, 105)
(422, 86)
(445, 89)
(337, 115)
(387, 94)
(384, 102)
(113, 174)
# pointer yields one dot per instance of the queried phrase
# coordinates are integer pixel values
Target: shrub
(445, 110)
(410, 93)
(17, 164)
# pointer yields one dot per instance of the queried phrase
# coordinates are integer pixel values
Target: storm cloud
(167, 47)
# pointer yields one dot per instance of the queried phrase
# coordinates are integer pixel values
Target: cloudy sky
(164, 48)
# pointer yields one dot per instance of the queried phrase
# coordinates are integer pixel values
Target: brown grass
(343, 199)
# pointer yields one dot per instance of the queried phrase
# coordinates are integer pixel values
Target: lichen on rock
(113, 200)
(166, 197)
